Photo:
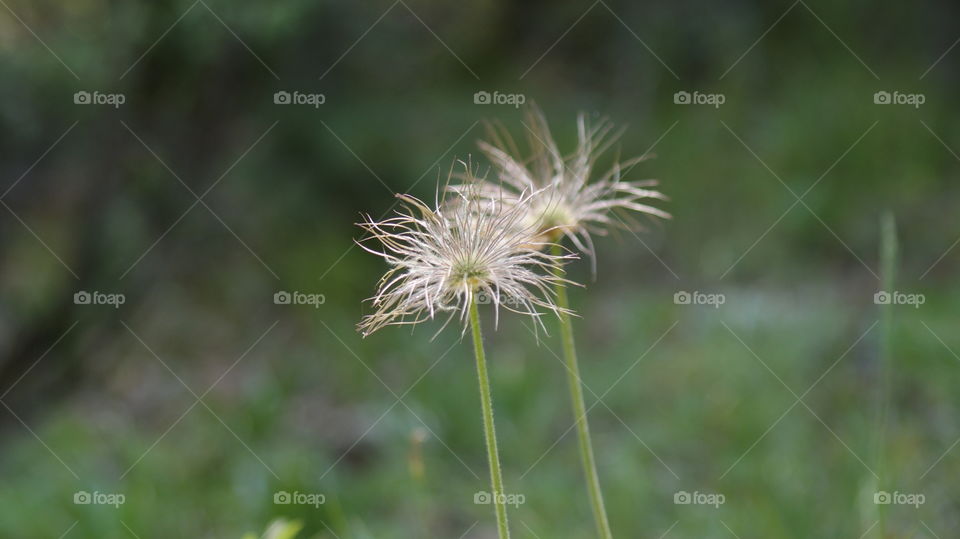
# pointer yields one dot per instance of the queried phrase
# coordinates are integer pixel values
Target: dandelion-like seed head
(466, 249)
(576, 202)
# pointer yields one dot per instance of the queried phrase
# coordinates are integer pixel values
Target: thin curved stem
(490, 433)
(580, 412)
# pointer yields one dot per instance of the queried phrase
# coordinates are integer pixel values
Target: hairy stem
(580, 412)
(490, 433)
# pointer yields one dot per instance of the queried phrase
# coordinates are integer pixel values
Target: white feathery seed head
(573, 204)
(467, 248)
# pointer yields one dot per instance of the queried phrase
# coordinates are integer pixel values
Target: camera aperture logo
(84, 97)
(284, 97)
(882, 497)
(82, 497)
(899, 298)
(299, 298)
(496, 98)
(99, 298)
(699, 498)
(486, 498)
(884, 97)
(699, 298)
(696, 98)
(282, 497)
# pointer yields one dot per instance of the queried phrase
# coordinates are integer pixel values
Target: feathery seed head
(575, 203)
(465, 249)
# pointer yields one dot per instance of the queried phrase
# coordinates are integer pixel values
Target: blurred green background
(199, 399)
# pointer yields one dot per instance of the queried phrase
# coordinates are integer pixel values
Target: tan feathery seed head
(573, 204)
(465, 249)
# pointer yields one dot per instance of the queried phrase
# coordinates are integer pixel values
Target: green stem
(580, 412)
(493, 456)
(888, 270)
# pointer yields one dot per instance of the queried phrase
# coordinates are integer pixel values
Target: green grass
(698, 400)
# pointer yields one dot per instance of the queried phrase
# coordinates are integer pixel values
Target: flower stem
(888, 270)
(490, 433)
(580, 412)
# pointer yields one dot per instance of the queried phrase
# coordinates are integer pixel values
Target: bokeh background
(199, 198)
